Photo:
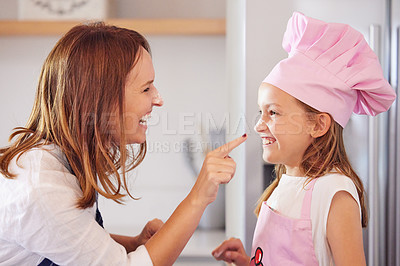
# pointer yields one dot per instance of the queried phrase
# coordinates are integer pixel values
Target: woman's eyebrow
(147, 83)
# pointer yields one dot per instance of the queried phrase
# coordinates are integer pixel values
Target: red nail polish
(244, 135)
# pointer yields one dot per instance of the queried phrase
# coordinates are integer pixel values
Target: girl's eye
(146, 90)
(271, 112)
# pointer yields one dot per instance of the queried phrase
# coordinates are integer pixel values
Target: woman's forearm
(218, 168)
(166, 245)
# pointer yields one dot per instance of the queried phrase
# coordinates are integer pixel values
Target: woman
(93, 100)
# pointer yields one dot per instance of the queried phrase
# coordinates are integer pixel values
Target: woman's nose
(158, 100)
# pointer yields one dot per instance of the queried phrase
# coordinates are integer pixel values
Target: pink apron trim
(306, 208)
(280, 240)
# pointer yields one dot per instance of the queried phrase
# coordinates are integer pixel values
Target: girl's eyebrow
(270, 104)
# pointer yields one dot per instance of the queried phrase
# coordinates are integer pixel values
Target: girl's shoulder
(328, 185)
(334, 179)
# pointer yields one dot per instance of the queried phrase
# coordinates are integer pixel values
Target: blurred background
(208, 71)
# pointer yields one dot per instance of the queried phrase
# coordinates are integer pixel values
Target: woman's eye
(146, 90)
(271, 112)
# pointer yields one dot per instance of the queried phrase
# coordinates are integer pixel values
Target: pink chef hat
(331, 68)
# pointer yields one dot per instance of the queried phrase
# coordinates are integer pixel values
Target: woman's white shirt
(287, 199)
(39, 218)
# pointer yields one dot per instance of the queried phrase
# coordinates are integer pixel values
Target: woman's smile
(143, 121)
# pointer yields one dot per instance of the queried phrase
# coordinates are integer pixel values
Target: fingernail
(244, 135)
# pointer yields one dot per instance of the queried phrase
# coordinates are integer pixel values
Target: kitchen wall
(190, 75)
(145, 8)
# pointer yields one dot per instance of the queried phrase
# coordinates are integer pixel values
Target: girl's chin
(268, 159)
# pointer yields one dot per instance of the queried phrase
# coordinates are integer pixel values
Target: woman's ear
(322, 124)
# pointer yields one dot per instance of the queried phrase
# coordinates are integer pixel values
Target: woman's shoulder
(45, 157)
(41, 166)
(41, 187)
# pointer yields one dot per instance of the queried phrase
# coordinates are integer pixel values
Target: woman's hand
(131, 243)
(232, 251)
(149, 230)
(218, 168)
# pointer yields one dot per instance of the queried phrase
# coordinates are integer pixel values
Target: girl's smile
(266, 141)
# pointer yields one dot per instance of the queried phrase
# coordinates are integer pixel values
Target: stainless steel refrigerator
(392, 231)
(373, 144)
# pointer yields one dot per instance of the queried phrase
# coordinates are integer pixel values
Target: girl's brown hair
(79, 95)
(325, 154)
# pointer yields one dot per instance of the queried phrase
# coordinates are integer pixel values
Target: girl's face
(140, 98)
(283, 127)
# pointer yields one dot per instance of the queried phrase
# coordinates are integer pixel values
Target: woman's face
(283, 127)
(140, 98)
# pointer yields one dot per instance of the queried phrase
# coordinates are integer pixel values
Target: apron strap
(306, 208)
(99, 219)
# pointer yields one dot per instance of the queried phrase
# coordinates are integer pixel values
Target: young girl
(94, 98)
(314, 211)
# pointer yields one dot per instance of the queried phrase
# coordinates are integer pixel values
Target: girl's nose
(260, 126)
(158, 100)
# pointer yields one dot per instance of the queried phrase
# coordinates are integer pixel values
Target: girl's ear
(322, 124)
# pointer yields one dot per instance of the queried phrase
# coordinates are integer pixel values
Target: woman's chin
(137, 138)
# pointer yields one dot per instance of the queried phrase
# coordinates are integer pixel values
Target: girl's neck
(294, 171)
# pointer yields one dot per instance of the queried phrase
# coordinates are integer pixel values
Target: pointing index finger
(225, 149)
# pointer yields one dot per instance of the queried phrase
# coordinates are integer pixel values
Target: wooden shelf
(144, 26)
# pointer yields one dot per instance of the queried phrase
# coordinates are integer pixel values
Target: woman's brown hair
(325, 154)
(79, 96)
